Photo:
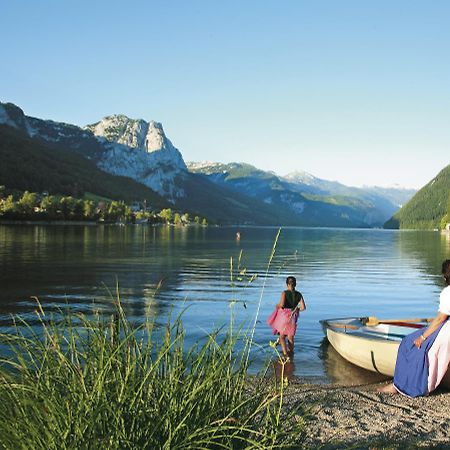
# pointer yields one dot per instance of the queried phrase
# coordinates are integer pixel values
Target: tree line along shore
(42, 207)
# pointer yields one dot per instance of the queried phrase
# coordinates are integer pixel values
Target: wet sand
(359, 417)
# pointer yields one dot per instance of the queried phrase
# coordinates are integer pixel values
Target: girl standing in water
(284, 319)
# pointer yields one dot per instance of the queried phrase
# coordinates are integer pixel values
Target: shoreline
(49, 222)
(92, 223)
(360, 417)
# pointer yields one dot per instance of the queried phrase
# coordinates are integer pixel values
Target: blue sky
(354, 91)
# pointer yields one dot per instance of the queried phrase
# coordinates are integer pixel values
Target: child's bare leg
(291, 343)
(283, 343)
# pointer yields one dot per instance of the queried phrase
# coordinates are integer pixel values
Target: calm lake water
(340, 272)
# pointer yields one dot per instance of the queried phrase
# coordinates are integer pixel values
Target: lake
(341, 272)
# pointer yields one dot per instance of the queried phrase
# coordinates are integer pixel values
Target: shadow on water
(338, 370)
(285, 370)
(342, 372)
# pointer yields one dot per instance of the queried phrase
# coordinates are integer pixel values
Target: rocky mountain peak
(140, 150)
(134, 133)
(300, 176)
(156, 138)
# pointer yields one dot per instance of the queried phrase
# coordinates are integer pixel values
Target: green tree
(68, 206)
(50, 205)
(78, 210)
(448, 206)
(142, 215)
(128, 214)
(186, 217)
(446, 219)
(9, 207)
(197, 220)
(204, 222)
(114, 211)
(166, 214)
(117, 211)
(89, 212)
(27, 203)
(177, 219)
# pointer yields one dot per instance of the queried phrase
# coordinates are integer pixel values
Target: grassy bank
(106, 383)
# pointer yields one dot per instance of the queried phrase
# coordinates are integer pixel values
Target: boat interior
(373, 328)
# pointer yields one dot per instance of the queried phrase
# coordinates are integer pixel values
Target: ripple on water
(340, 273)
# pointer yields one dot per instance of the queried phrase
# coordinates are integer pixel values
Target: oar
(373, 321)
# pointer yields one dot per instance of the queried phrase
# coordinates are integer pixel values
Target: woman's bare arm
(434, 325)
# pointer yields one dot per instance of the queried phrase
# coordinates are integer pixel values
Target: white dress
(439, 353)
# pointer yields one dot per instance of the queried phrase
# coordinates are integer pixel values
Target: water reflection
(340, 272)
(341, 372)
(284, 369)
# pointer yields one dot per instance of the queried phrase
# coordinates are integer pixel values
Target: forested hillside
(27, 164)
(429, 208)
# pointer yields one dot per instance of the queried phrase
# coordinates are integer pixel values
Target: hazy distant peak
(197, 165)
(210, 167)
(394, 186)
(300, 176)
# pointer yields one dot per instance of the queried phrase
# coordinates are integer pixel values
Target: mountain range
(133, 159)
(313, 200)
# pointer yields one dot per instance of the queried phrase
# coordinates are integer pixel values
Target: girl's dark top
(292, 299)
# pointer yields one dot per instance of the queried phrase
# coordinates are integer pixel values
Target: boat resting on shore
(372, 343)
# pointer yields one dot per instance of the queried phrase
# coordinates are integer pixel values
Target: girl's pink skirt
(283, 321)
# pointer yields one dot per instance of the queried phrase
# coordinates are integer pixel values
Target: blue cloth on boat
(411, 368)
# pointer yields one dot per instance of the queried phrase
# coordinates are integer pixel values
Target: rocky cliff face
(148, 137)
(141, 150)
(119, 145)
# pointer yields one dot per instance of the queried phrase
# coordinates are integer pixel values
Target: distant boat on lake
(372, 343)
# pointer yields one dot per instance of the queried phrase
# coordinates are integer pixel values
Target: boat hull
(370, 354)
(373, 348)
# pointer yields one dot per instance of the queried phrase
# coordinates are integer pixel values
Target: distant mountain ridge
(226, 193)
(309, 197)
(397, 195)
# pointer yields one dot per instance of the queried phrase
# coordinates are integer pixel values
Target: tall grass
(81, 383)
(103, 382)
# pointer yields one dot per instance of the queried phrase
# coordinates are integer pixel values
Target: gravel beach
(359, 417)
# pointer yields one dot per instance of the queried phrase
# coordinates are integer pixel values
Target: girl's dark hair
(292, 280)
(446, 271)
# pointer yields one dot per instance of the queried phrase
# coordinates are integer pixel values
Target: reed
(103, 382)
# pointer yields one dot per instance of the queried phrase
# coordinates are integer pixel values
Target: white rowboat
(371, 343)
